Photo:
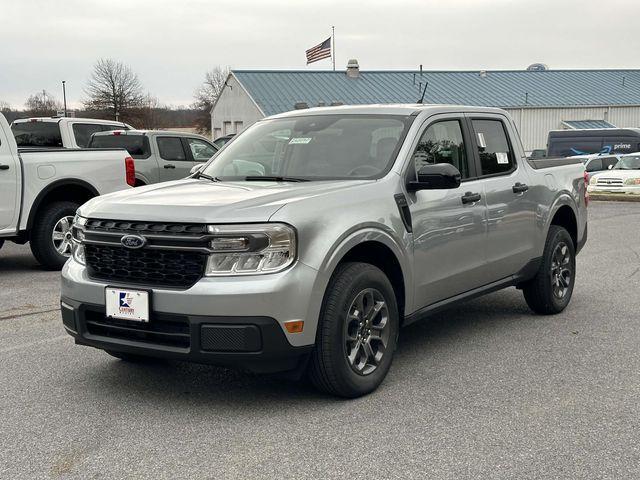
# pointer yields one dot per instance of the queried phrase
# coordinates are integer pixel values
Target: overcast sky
(171, 43)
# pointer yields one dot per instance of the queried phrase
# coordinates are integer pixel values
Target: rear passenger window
(594, 165)
(83, 132)
(442, 142)
(493, 147)
(171, 148)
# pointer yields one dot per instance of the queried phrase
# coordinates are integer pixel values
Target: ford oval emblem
(133, 241)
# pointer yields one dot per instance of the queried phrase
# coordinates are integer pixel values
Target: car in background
(159, 155)
(221, 141)
(568, 143)
(65, 132)
(594, 164)
(624, 177)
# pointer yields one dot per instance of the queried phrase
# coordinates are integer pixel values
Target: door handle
(520, 188)
(4, 167)
(471, 197)
(169, 166)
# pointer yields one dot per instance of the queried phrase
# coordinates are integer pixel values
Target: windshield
(628, 162)
(37, 134)
(320, 147)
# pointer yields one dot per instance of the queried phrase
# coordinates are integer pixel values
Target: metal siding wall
(534, 123)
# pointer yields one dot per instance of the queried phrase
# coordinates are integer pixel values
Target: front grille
(609, 182)
(141, 228)
(166, 268)
(175, 254)
(172, 332)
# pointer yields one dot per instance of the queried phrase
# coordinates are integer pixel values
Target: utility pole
(64, 96)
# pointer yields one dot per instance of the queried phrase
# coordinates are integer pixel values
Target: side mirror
(437, 176)
(609, 167)
(196, 168)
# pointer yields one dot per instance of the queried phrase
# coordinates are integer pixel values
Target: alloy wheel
(61, 236)
(366, 332)
(561, 270)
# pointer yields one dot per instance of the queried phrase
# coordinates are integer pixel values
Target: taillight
(586, 184)
(130, 171)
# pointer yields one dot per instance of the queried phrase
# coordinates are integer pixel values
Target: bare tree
(42, 103)
(113, 86)
(206, 95)
(5, 106)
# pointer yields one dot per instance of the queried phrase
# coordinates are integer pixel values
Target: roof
(386, 109)
(587, 124)
(276, 91)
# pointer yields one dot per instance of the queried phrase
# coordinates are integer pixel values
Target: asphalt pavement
(486, 390)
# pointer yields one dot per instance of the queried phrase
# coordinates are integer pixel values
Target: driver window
(442, 142)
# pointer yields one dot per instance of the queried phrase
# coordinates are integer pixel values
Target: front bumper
(228, 321)
(626, 189)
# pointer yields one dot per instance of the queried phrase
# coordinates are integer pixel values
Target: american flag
(320, 51)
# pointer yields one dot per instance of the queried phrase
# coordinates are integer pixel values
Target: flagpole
(333, 46)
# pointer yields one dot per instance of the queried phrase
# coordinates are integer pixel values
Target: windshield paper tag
(299, 141)
(502, 158)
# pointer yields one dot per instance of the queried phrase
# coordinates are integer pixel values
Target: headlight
(593, 180)
(77, 237)
(632, 181)
(250, 249)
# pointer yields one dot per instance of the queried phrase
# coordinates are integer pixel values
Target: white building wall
(234, 111)
(534, 123)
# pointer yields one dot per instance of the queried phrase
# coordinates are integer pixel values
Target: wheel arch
(563, 214)
(70, 189)
(378, 248)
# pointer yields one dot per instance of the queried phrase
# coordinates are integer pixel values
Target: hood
(619, 174)
(204, 201)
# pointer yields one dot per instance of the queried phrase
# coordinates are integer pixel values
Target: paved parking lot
(487, 390)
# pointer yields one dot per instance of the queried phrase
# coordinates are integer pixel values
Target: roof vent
(353, 69)
(300, 105)
(537, 67)
(321, 103)
(483, 73)
(336, 104)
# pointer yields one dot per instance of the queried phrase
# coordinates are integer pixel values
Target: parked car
(55, 132)
(159, 155)
(221, 141)
(310, 253)
(594, 164)
(566, 143)
(40, 191)
(624, 177)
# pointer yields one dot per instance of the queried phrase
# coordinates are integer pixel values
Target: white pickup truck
(40, 190)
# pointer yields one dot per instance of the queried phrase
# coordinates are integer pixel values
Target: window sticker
(503, 158)
(299, 140)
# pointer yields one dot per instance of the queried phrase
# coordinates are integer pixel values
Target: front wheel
(550, 290)
(357, 332)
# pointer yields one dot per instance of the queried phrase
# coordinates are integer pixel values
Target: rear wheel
(51, 234)
(550, 290)
(357, 332)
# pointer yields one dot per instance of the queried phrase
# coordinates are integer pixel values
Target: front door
(173, 160)
(511, 210)
(449, 226)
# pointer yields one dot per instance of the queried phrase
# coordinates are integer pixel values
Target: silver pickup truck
(41, 189)
(316, 234)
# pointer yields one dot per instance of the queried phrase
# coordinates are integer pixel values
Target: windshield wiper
(204, 175)
(273, 178)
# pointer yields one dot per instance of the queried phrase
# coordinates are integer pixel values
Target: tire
(42, 243)
(556, 274)
(339, 364)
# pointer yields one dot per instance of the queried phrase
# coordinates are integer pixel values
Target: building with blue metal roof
(539, 101)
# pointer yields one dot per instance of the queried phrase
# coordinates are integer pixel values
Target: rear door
(173, 161)
(511, 209)
(9, 181)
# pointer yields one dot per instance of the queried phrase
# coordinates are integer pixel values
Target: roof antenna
(423, 92)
